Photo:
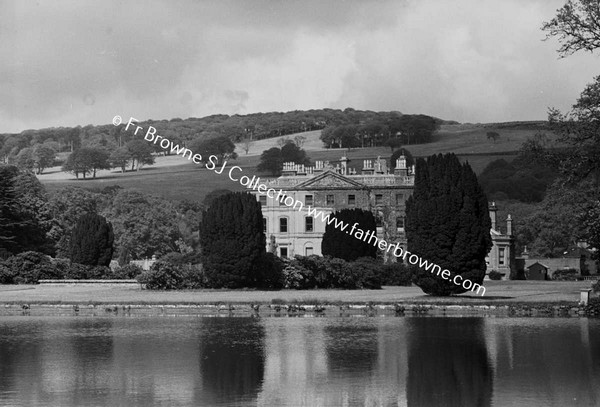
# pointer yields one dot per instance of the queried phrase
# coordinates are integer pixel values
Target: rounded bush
(168, 276)
(126, 272)
(565, 275)
(495, 275)
(30, 267)
(397, 274)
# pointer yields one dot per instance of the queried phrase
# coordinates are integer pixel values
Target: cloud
(79, 62)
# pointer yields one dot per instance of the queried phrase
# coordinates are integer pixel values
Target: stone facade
(502, 255)
(327, 188)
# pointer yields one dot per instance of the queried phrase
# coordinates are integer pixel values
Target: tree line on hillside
(39, 149)
(384, 129)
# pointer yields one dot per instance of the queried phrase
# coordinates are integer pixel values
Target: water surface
(231, 361)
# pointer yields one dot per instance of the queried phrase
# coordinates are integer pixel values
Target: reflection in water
(232, 360)
(558, 366)
(448, 363)
(125, 361)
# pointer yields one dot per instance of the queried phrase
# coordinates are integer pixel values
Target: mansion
(327, 188)
(371, 186)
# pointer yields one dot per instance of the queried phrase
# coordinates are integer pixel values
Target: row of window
(309, 224)
(330, 199)
(283, 251)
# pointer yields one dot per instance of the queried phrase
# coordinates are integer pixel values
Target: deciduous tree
(221, 146)
(43, 157)
(140, 154)
(576, 25)
(86, 161)
(492, 135)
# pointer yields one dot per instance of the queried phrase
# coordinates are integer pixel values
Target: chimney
(344, 162)
(493, 210)
(509, 225)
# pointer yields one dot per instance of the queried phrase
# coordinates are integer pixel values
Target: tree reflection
(448, 363)
(232, 360)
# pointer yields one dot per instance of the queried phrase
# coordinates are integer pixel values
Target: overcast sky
(65, 63)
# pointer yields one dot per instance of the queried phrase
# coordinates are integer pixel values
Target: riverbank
(504, 298)
(497, 293)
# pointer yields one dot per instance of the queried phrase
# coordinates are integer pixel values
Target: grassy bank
(497, 293)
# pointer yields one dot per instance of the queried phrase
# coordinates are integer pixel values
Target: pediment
(330, 179)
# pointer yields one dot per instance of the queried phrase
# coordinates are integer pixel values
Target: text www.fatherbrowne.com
(212, 163)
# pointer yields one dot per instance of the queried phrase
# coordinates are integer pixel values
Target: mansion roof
(323, 175)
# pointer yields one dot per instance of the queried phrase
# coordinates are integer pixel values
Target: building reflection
(325, 362)
(448, 363)
(416, 361)
(546, 361)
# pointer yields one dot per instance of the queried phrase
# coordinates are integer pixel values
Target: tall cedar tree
(341, 244)
(448, 223)
(232, 240)
(92, 241)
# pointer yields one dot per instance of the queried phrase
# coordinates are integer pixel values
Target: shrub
(30, 267)
(167, 276)
(270, 272)
(305, 272)
(367, 273)
(396, 274)
(7, 276)
(162, 276)
(173, 258)
(495, 275)
(126, 272)
(314, 271)
(76, 271)
(296, 276)
(596, 286)
(193, 276)
(565, 275)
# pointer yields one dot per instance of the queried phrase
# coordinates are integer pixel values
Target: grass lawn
(498, 293)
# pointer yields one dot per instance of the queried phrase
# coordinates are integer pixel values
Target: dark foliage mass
(164, 275)
(307, 272)
(233, 241)
(519, 180)
(368, 129)
(271, 160)
(92, 241)
(30, 267)
(25, 218)
(340, 244)
(448, 223)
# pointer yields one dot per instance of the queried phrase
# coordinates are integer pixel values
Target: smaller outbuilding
(537, 271)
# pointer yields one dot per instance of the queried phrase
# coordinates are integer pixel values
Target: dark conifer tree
(343, 245)
(232, 239)
(92, 241)
(448, 223)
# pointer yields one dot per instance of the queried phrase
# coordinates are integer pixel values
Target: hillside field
(176, 178)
